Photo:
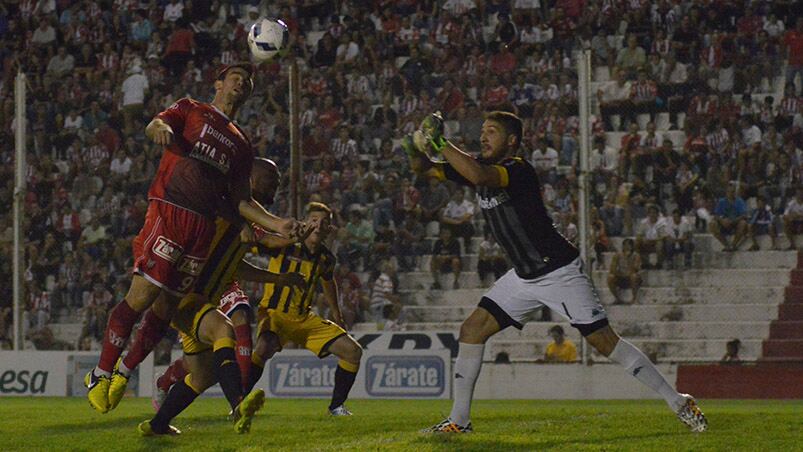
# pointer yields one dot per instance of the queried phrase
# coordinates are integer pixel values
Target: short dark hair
(319, 207)
(557, 329)
(510, 122)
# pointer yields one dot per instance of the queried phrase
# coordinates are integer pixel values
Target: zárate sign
(383, 374)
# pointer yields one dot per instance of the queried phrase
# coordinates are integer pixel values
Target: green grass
(300, 425)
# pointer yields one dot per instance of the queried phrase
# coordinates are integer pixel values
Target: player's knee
(603, 340)
(354, 352)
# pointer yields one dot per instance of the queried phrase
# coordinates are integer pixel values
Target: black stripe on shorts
(502, 318)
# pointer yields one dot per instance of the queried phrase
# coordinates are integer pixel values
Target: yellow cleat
(117, 387)
(146, 429)
(97, 391)
(244, 413)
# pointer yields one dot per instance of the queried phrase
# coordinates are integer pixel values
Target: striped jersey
(518, 219)
(297, 258)
(225, 254)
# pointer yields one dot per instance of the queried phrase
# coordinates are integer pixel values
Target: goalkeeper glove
(431, 130)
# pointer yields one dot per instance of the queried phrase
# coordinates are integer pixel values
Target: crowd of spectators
(99, 70)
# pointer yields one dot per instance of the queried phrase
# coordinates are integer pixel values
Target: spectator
(409, 243)
(732, 352)
(625, 272)
(390, 314)
(383, 292)
(40, 305)
(45, 34)
(491, 259)
(762, 222)
(560, 350)
(357, 238)
(793, 216)
(458, 216)
(678, 239)
(631, 57)
(793, 43)
(445, 258)
(730, 218)
(643, 94)
(650, 237)
(433, 199)
(134, 91)
(61, 64)
(614, 97)
(352, 304)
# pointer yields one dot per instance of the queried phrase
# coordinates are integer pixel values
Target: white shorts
(567, 291)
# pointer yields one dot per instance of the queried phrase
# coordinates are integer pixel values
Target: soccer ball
(266, 38)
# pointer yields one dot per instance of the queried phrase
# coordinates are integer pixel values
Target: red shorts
(233, 298)
(172, 246)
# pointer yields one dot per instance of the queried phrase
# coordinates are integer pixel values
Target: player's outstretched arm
(250, 272)
(429, 137)
(253, 211)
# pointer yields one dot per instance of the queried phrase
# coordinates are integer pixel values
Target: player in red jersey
(205, 169)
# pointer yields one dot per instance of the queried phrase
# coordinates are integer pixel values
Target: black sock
(178, 399)
(228, 375)
(253, 378)
(344, 380)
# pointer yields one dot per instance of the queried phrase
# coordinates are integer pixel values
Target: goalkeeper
(547, 270)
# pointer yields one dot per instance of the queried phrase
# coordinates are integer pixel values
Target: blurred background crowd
(697, 127)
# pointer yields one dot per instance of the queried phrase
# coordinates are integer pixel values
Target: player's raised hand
(162, 134)
(431, 129)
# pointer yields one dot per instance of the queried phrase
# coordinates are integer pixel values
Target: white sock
(466, 370)
(101, 373)
(638, 365)
(123, 369)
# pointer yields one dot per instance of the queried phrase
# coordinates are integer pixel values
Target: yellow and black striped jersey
(297, 258)
(225, 254)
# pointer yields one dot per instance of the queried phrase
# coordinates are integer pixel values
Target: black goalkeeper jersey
(518, 220)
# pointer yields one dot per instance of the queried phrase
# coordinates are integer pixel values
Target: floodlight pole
(583, 217)
(19, 196)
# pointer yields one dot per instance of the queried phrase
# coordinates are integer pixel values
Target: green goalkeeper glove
(432, 130)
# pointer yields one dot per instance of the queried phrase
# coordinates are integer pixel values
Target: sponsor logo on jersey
(396, 376)
(490, 203)
(191, 265)
(167, 249)
(300, 376)
(211, 131)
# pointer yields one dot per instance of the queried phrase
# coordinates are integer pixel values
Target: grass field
(300, 425)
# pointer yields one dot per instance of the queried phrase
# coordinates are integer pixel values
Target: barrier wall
(58, 373)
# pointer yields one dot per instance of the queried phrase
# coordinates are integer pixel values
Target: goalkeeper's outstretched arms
(459, 166)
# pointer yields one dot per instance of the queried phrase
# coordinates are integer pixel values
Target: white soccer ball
(266, 38)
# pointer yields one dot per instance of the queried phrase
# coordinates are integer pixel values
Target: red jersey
(209, 151)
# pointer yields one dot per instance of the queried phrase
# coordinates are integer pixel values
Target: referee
(547, 270)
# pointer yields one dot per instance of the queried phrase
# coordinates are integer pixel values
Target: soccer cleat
(244, 413)
(447, 426)
(146, 429)
(340, 411)
(691, 415)
(97, 391)
(158, 395)
(117, 387)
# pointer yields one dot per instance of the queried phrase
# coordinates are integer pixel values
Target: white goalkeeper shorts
(567, 291)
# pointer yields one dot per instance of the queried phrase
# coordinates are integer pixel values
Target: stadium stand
(717, 82)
